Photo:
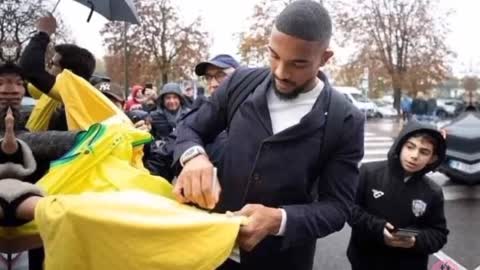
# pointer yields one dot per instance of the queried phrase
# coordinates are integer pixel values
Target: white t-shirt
(287, 113)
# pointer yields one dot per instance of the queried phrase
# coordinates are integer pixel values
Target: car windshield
(360, 98)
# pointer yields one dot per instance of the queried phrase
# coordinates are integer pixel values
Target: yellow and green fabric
(105, 211)
(132, 230)
(84, 104)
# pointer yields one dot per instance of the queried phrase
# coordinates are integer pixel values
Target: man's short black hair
(307, 20)
(79, 60)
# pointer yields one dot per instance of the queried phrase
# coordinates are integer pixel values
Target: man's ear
(326, 56)
(433, 159)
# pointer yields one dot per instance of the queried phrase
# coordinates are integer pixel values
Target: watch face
(190, 152)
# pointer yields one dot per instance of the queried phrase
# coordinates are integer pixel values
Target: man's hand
(395, 241)
(197, 184)
(142, 125)
(47, 24)
(262, 221)
(9, 143)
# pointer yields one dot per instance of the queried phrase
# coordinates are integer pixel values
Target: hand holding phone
(399, 237)
(405, 233)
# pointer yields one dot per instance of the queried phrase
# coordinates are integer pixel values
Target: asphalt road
(463, 245)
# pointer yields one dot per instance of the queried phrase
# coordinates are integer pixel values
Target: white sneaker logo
(377, 193)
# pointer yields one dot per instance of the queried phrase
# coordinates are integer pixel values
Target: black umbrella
(113, 10)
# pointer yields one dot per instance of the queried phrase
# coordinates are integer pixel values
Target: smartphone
(407, 233)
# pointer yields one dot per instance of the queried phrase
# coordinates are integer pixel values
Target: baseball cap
(111, 90)
(221, 61)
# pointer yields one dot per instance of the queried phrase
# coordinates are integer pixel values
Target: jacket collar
(312, 121)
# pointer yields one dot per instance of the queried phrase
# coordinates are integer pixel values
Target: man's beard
(16, 114)
(287, 96)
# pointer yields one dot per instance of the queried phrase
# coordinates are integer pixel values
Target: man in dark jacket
(272, 170)
(396, 194)
(170, 110)
(215, 71)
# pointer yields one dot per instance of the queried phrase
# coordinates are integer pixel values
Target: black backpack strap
(334, 122)
(243, 88)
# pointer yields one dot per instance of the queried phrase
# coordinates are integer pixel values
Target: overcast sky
(222, 19)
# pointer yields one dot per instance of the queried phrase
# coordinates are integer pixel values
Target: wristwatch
(190, 154)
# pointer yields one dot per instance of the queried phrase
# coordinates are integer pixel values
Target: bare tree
(161, 47)
(401, 35)
(253, 42)
(17, 24)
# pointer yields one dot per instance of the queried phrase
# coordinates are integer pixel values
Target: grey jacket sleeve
(49, 145)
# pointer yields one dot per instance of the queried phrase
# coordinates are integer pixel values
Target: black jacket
(158, 156)
(215, 149)
(383, 196)
(161, 126)
(280, 170)
(419, 106)
(33, 64)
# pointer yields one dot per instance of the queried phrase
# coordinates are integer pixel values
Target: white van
(356, 97)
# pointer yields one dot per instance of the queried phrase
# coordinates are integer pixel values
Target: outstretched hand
(47, 24)
(9, 143)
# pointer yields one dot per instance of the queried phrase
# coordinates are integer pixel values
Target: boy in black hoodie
(396, 194)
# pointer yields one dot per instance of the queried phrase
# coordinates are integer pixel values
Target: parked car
(384, 109)
(448, 107)
(360, 101)
(462, 163)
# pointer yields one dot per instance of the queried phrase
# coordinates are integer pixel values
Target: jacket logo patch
(377, 193)
(418, 207)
